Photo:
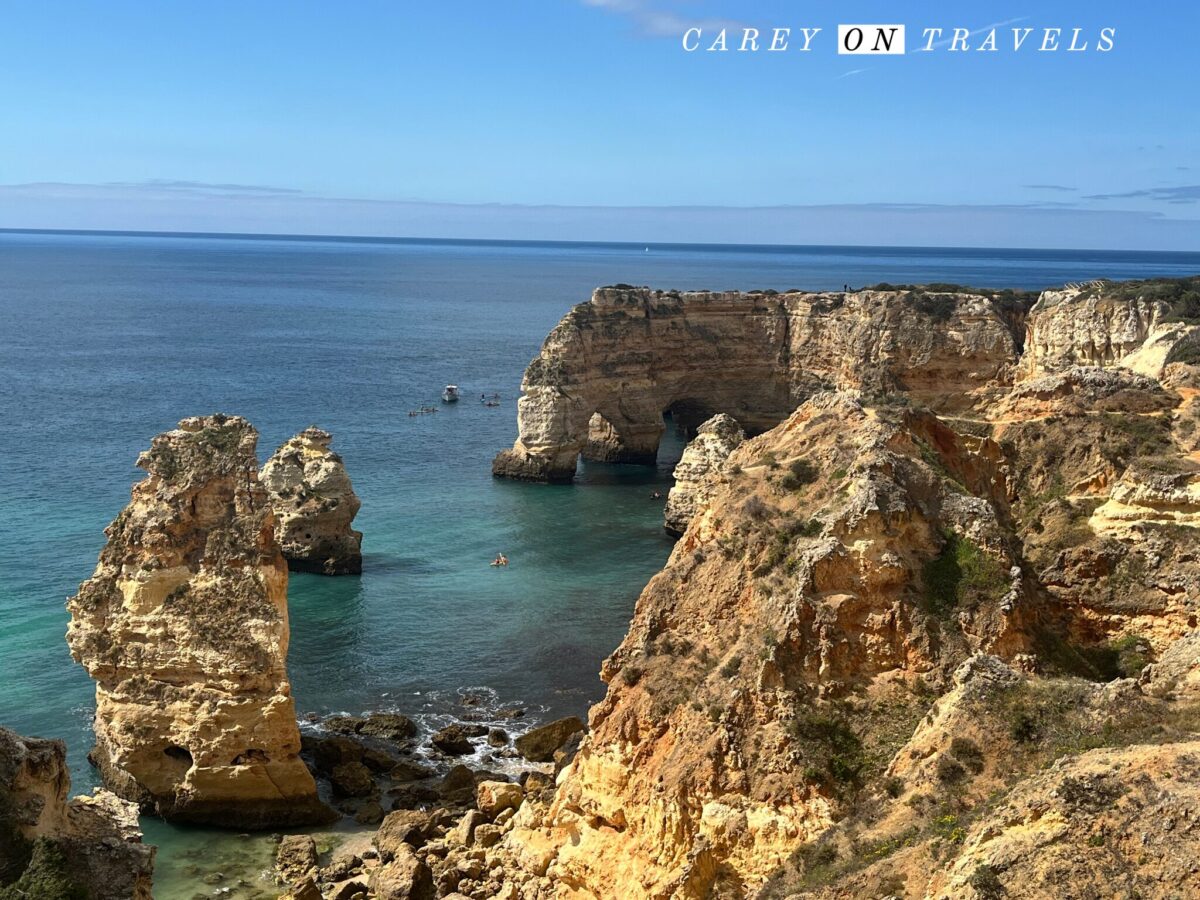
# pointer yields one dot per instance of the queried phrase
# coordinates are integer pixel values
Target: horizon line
(530, 242)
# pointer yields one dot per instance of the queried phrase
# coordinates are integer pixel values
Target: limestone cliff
(89, 846)
(700, 470)
(1097, 325)
(891, 609)
(610, 369)
(615, 364)
(314, 505)
(184, 628)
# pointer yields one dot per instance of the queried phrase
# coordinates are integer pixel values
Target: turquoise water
(108, 340)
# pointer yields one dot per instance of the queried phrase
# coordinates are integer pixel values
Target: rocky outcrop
(614, 365)
(725, 741)
(314, 506)
(770, 716)
(1109, 823)
(51, 846)
(184, 628)
(1094, 325)
(700, 470)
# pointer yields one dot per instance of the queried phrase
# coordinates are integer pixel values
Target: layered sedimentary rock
(184, 628)
(314, 506)
(701, 470)
(89, 846)
(1030, 561)
(1084, 325)
(615, 364)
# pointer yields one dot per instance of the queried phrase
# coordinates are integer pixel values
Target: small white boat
(450, 394)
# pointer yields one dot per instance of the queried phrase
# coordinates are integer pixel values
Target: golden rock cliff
(184, 628)
(893, 609)
(314, 505)
(613, 365)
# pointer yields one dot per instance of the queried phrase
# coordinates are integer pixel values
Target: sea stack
(314, 506)
(700, 471)
(184, 627)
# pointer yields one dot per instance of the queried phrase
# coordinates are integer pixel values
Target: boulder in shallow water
(389, 727)
(539, 744)
(453, 740)
(295, 857)
(352, 779)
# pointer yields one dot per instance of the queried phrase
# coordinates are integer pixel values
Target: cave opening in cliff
(179, 753)
(687, 416)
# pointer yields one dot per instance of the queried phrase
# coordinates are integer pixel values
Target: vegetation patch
(832, 752)
(1186, 352)
(800, 473)
(47, 877)
(1181, 295)
(962, 574)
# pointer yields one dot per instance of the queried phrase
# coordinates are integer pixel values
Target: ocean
(109, 339)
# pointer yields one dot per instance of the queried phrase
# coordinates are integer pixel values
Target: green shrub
(986, 883)
(800, 473)
(967, 752)
(833, 752)
(631, 673)
(732, 666)
(1187, 352)
(962, 573)
(47, 877)
(948, 770)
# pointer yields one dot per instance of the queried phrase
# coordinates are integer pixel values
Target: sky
(586, 120)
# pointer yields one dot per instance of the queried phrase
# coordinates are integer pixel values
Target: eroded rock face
(1104, 824)
(779, 674)
(91, 843)
(612, 366)
(1079, 326)
(785, 593)
(700, 470)
(314, 506)
(184, 628)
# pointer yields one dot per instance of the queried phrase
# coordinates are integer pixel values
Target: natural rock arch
(612, 366)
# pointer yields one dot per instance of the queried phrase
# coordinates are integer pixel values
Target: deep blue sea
(106, 340)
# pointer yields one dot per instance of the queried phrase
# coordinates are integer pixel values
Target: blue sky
(584, 119)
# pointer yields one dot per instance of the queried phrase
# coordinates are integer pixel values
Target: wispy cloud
(205, 187)
(651, 20)
(848, 74)
(1182, 193)
(149, 207)
(1049, 187)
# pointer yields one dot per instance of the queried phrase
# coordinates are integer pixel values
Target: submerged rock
(184, 628)
(701, 470)
(314, 506)
(86, 847)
